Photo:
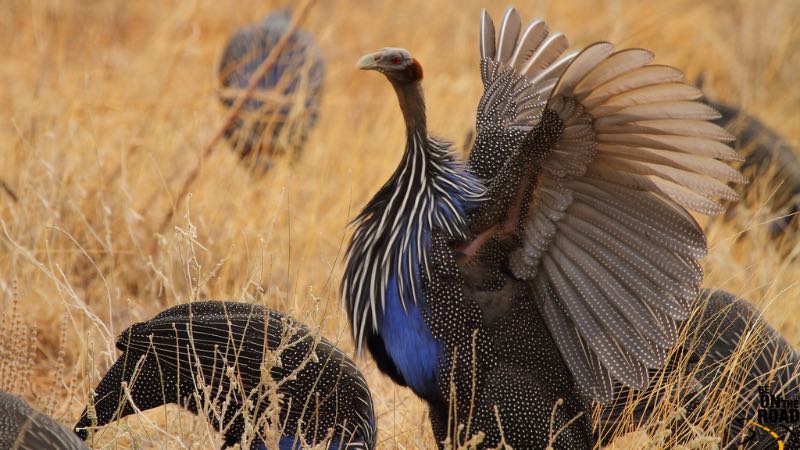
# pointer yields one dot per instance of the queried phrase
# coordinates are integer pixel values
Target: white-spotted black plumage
(24, 428)
(321, 391)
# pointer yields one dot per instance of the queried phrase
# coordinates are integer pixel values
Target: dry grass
(106, 107)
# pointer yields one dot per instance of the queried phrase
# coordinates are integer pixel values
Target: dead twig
(11, 193)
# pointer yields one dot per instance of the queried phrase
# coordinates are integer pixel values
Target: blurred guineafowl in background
(558, 262)
(766, 153)
(285, 105)
(23, 428)
(233, 361)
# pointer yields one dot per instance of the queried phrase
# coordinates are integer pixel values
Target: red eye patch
(395, 60)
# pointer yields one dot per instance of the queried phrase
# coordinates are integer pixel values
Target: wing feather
(617, 64)
(644, 95)
(606, 239)
(644, 76)
(710, 167)
(519, 71)
(546, 54)
(487, 36)
(636, 291)
(685, 178)
(644, 269)
(660, 223)
(509, 32)
(590, 375)
(535, 33)
(695, 128)
(636, 242)
(663, 110)
(682, 196)
(580, 67)
(685, 144)
(574, 294)
(617, 312)
(636, 152)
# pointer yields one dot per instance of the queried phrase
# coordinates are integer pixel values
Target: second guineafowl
(726, 349)
(233, 361)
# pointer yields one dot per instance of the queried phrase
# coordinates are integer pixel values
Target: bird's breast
(410, 343)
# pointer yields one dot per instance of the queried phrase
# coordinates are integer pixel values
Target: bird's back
(203, 346)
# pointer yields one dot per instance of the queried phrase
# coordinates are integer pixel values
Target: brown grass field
(106, 107)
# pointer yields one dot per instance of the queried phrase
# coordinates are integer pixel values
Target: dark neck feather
(412, 103)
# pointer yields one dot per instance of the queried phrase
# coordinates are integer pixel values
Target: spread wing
(597, 196)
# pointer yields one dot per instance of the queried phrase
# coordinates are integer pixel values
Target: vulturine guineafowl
(194, 351)
(23, 428)
(286, 102)
(510, 291)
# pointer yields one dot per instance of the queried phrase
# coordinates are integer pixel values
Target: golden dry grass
(107, 105)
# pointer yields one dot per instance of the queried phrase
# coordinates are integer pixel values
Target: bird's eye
(395, 60)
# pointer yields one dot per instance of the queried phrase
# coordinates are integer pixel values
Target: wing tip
(511, 15)
(487, 38)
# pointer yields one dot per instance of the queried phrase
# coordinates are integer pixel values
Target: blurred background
(107, 107)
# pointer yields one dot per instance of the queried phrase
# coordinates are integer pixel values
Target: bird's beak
(368, 61)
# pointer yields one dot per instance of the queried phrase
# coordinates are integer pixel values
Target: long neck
(412, 103)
